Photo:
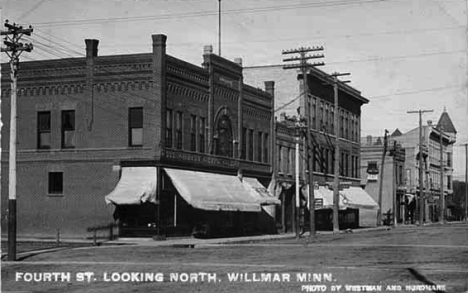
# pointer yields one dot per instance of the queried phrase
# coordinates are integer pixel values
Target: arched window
(224, 140)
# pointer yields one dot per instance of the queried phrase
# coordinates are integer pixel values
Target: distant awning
(214, 192)
(323, 198)
(357, 197)
(262, 194)
(136, 185)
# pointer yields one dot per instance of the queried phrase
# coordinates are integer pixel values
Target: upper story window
(280, 154)
(314, 113)
(346, 126)
(400, 175)
(332, 120)
(224, 142)
(320, 117)
(251, 152)
(43, 130)
(201, 134)
(325, 119)
(135, 126)
(449, 159)
(178, 138)
(193, 133)
(265, 148)
(68, 129)
(168, 136)
(341, 123)
(259, 146)
(244, 143)
(408, 177)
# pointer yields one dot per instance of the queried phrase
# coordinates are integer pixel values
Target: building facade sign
(181, 156)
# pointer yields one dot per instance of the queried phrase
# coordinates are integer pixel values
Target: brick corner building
(170, 146)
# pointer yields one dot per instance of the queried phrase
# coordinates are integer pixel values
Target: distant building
(401, 175)
(170, 146)
(289, 104)
(432, 163)
(393, 185)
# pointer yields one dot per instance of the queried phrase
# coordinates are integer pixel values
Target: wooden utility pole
(394, 185)
(298, 198)
(382, 164)
(466, 182)
(304, 66)
(442, 196)
(336, 180)
(466, 88)
(13, 49)
(421, 165)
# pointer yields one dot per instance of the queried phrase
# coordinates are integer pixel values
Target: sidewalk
(195, 242)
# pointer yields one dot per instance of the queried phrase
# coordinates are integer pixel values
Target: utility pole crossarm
(316, 56)
(302, 50)
(306, 65)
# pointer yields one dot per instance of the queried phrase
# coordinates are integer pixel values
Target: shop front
(185, 202)
(356, 207)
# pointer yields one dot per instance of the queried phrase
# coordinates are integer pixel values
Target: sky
(402, 54)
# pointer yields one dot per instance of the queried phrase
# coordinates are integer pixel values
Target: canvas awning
(323, 198)
(214, 192)
(357, 197)
(136, 185)
(262, 194)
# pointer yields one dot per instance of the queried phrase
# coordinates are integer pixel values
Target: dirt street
(405, 259)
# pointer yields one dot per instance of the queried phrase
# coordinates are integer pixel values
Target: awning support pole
(175, 209)
(158, 201)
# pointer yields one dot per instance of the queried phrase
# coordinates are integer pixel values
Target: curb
(22, 255)
(194, 242)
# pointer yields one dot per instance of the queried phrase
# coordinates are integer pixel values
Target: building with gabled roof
(434, 137)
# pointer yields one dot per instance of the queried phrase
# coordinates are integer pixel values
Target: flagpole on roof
(219, 28)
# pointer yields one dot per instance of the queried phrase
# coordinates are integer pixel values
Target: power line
(417, 91)
(203, 13)
(375, 59)
(378, 97)
(289, 103)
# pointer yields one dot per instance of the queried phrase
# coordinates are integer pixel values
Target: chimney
(238, 61)
(207, 49)
(91, 48)
(159, 86)
(369, 139)
(270, 88)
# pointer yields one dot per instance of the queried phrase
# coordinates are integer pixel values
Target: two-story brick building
(149, 139)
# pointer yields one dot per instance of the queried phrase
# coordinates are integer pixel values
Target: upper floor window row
(323, 119)
(180, 135)
(260, 142)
